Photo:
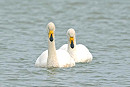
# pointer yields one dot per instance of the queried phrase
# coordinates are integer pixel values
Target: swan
(52, 57)
(79, 52)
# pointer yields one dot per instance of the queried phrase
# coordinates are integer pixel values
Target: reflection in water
(52, 71)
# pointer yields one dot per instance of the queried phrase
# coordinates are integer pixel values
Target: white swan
(52, 57)
(79, 52)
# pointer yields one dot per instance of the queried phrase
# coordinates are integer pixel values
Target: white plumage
(79, 52)
(63, 57)
(53, 57)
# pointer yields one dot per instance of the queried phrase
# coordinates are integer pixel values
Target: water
(103, 26)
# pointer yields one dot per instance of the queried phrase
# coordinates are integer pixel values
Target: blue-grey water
(101, 25)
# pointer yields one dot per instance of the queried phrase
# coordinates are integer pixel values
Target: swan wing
(42, 59)
(83, 53)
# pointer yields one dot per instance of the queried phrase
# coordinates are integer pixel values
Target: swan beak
(72, 42)
(51, 35)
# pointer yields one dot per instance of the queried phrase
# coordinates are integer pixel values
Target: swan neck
(52, 58)
(71, 51)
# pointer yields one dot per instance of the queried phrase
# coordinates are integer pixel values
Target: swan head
(71, 37)
(51, 30)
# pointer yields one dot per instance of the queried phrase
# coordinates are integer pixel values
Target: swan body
(42, 59)
(79, 52)
(52, 57)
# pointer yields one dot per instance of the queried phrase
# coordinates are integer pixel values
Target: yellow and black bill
(51, 35)
(72, 42)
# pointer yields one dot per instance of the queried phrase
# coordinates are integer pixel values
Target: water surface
(103, 26)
